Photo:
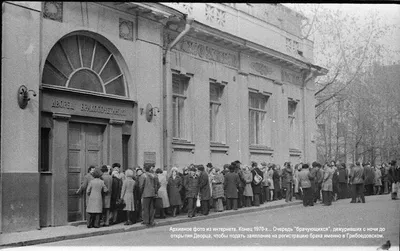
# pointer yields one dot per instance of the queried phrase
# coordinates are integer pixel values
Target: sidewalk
(68, 232)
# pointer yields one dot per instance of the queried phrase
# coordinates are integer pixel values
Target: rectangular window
(45, 149)
(217, 114)
(258, 119)
(292, 105)
(181, 115)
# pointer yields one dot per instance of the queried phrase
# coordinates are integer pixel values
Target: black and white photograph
(201, 125)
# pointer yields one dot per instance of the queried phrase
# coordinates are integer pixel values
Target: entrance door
(84, 149)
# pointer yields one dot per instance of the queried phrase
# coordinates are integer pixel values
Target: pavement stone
(78, 230)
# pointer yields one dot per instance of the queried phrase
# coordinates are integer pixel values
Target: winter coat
(150, 185)
(369, 175)
(94, 191)
(320, 176)
(231, 185)
(384, 172)
(174, 187)
(256, 188)
(296, 181)
(127, 193)
(304, 178)
(192, 186)
(248, 177)
(162, 191)
(86, 179)
(394, 174)
(378, 177)
(265, 181)
(342, 175)
(276, 178)
(218, 186)
(327, 181)
(313, 177)
(357, 175)
(287, 176)
(204, 186)
(107, 197)
(115, 192)
(270, 179)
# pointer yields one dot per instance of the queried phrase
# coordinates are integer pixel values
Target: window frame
(259, 138)
(221, 116)
(177, 134)
(292, 123)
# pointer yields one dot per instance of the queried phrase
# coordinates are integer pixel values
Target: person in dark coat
(184, 175)
(115, 195)
(342, 179)
(174, 187)
(287, 181)
(192, 191)
(149, 187)
(231, 185)
(394, 178)
(204, 187)
(277, 184)
(356, 179)
(137, 194)
(241, 199)
(335, 183)
(369, 179)
(256, 186)
(106, 177)
(385, 179)
(313, 179)
(95, 202)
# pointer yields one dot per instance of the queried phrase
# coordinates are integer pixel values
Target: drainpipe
(167, 95)
(306, 139)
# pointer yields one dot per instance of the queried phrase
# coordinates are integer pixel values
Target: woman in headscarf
(174, 187)
(218, 189)
(128, 187)
(95, 202)
(162, 191)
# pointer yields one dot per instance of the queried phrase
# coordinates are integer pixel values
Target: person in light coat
(82, 189)
(162, 191)
(305, 183)
(378, 180)
(218, 189)
(127, 194)
(327, 186)
(95, 201)
(270, 173)
(106, 177)
(248, 190)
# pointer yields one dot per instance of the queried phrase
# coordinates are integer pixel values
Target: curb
(141, 227)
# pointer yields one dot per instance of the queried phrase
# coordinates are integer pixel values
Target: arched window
(81, 62)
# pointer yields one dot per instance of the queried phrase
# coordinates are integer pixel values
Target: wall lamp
(23, 96)
(150, 112)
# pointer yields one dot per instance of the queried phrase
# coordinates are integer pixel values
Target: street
(342, 224)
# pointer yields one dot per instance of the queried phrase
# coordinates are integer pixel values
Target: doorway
(85, 148)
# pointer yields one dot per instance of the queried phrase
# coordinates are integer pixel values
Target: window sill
(261, 149)
(218, 147)
(46, 172)
(183, 144)
(294, 152)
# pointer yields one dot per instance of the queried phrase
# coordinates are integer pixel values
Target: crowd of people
(138, 195)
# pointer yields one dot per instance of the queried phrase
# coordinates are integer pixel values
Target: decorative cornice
(291, 78)
(203, 51)
(261, 68)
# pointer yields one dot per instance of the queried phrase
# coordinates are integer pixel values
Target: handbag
(158, 203)
(257, 179)
(120, 204)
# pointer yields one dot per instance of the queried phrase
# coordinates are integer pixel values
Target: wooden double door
(85, 148)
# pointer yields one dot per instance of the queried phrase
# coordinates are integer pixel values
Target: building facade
(166, 84)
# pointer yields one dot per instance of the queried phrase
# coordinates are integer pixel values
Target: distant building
(144, 84)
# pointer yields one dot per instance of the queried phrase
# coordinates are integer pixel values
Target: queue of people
(114, 196)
